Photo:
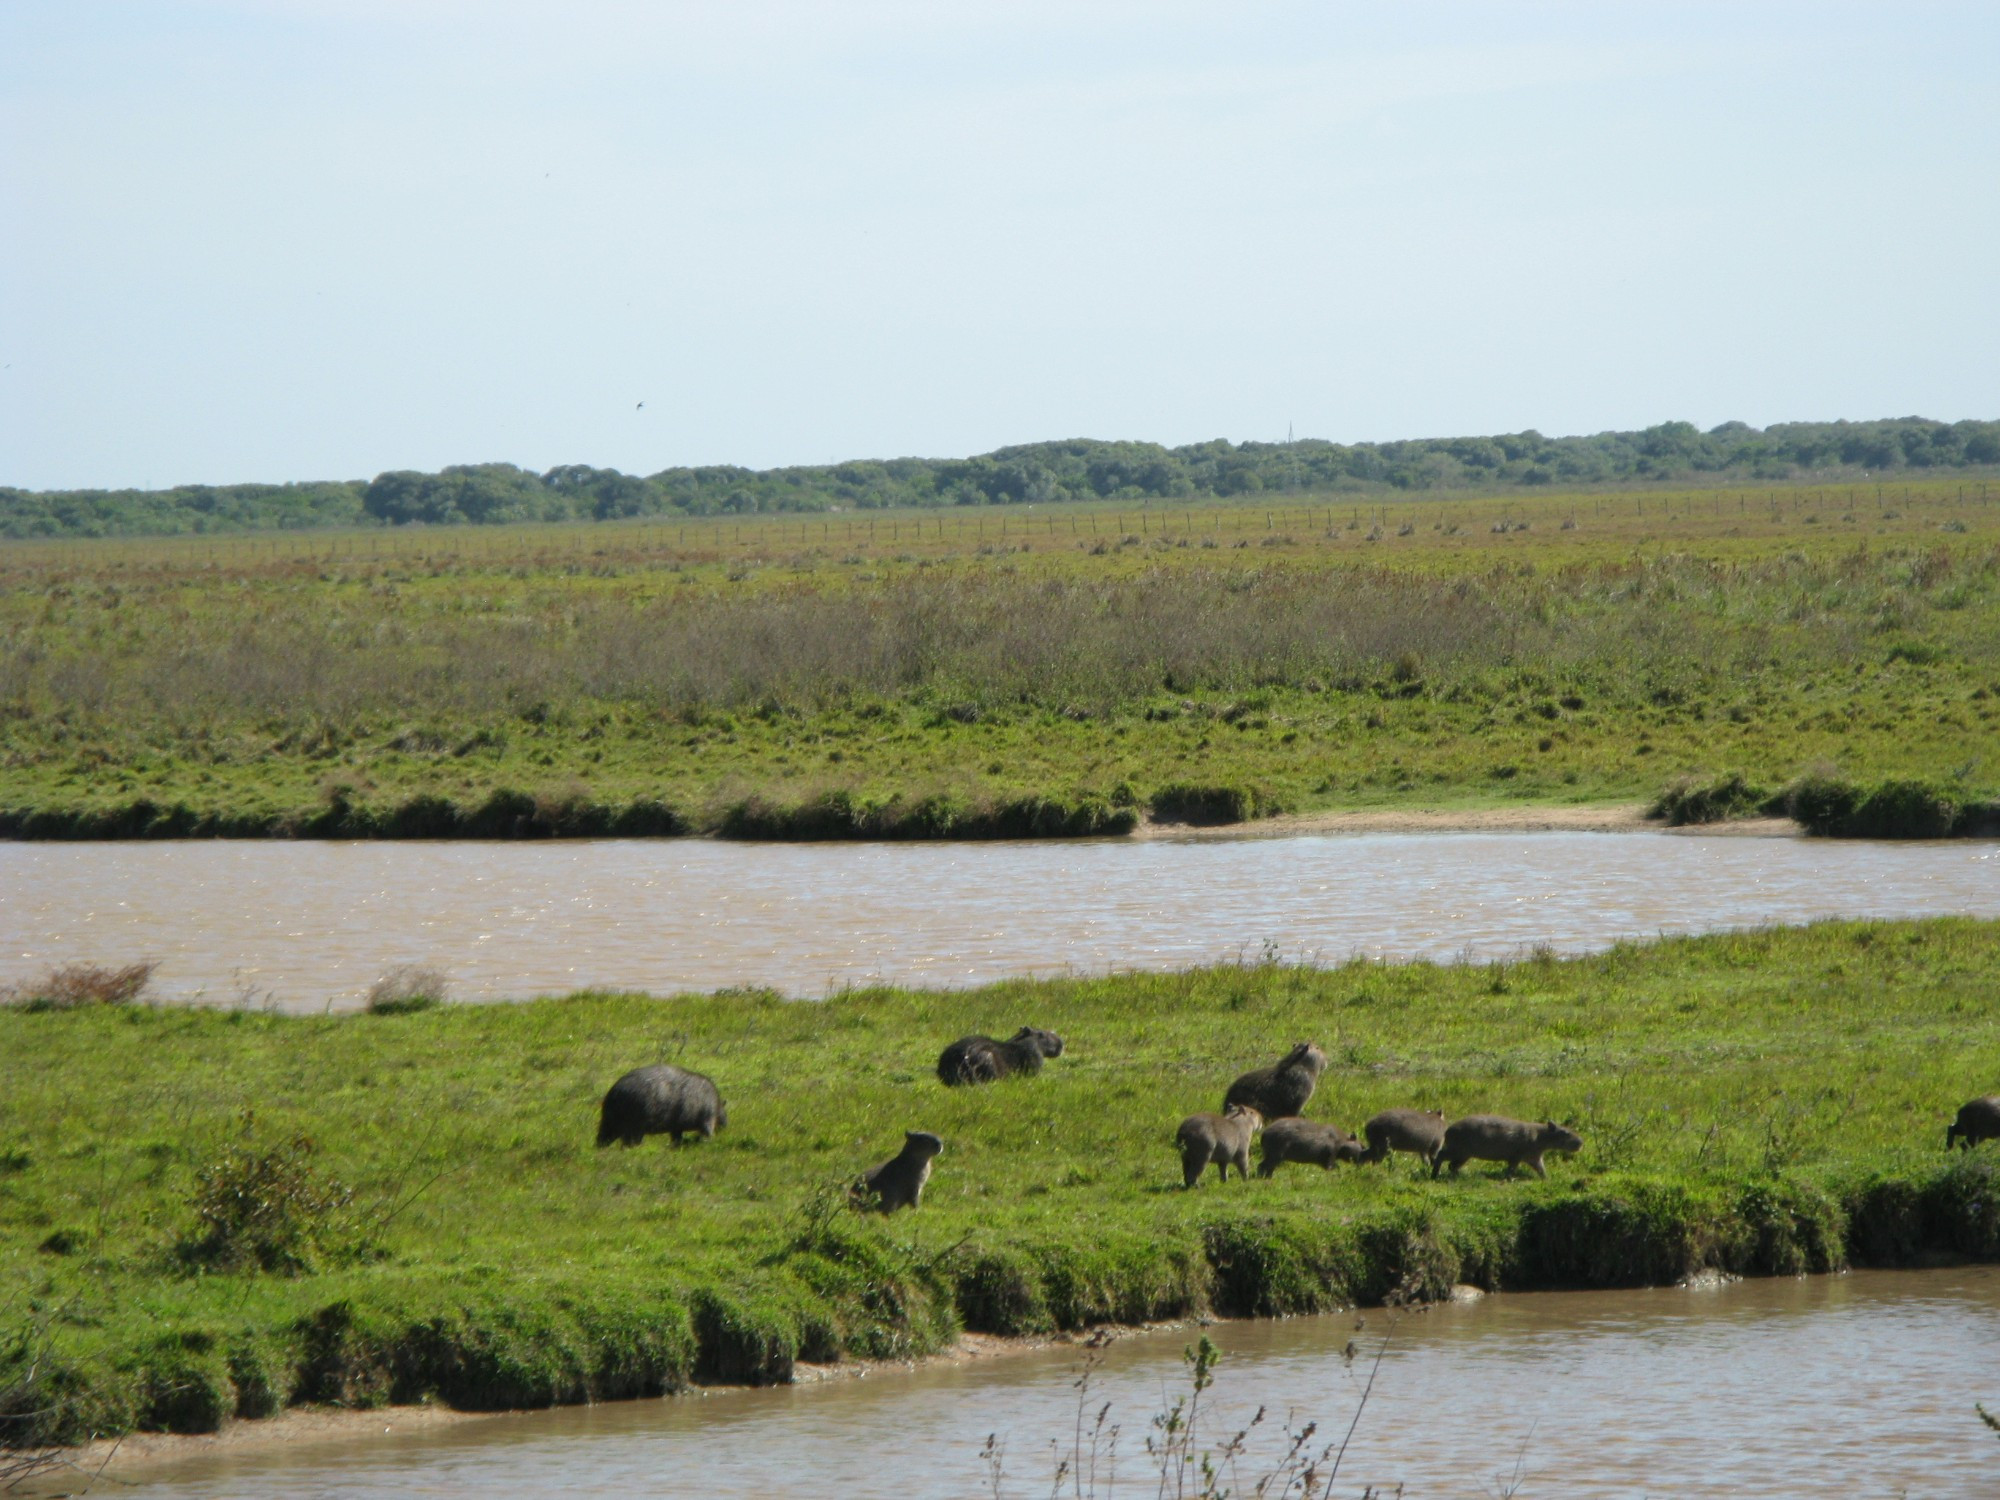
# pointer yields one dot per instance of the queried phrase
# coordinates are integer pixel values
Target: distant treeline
(1032, 473)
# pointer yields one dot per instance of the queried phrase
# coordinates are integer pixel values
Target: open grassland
(206, 1213)
(925, 674)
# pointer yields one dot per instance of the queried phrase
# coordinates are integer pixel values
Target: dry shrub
(74, 986)
(406, 988)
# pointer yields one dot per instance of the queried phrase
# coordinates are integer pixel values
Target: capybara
(1282, 1089)
(1223, 1139)
(660, 1100)
(1497, 1138)
(1307, 1141)
(1977, 1121)
(899, 1181)
(1418, 1131)
(980, 1059)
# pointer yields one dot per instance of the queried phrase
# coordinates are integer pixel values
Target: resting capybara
(1307, 1141)
(1977, 1121)
(899, 1181)
(1497, 1138)
(1223, 1139)
(1419, 1131)
(980, 1059)
(660, 1100)
(1282, 1089)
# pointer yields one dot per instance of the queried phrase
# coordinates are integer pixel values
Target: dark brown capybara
(660, 1100)
(1307, 1141)
(899, 1181)
(1223, 1139)
(1281, 1090)
(1497, 1138)
(1417, 1131)
(1978, 1120)
(980, 1059)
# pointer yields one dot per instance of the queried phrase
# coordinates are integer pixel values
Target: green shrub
(1893, 809)
(1905, 809)
(264, 1208)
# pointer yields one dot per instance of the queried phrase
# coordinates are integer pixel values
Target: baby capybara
(1977, 1121)
(1223, 1139)
(1306, 1141)
(980, 1059)
(1497, 1138)
(899, 1181)
(1283, 1088)
(660, 1100)
(1418, 1131)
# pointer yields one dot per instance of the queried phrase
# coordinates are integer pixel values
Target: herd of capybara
(666, 1100)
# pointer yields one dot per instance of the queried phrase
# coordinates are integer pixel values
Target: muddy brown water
(1855, 1385)
(304, 925)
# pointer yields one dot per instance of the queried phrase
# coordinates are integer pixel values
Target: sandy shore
(1624, 817)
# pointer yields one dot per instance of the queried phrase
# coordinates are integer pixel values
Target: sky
(299, 239)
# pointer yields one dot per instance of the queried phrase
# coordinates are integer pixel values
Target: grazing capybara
(660, 1100)
(899, 1181)
(1418, 1131)
(1306, 1141)
(1282, 1089)
(1497, 1138)
(1977, 1121)
(1223, 1139)
(980, 1059)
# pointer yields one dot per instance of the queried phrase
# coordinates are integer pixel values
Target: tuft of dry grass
(408, 987)
(73, 986)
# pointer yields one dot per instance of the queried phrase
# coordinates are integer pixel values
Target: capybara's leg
(1540, 1170)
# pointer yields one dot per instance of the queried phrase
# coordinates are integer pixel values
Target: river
(301, 926)
(1854, 1385)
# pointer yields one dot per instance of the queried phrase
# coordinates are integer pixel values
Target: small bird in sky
(640, 407)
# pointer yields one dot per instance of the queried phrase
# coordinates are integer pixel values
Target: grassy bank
(206, 1214)
(1032, 674)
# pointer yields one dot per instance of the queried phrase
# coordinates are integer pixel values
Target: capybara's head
(1305, 1055)
(1244, 1111)
(1046, 1042)
(1560, 1137)
(921, 1143)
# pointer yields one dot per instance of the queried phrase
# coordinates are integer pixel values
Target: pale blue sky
(288, 239)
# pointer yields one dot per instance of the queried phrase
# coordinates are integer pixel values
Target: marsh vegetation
(968, 675)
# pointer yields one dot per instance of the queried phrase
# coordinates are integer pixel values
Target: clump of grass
(74, 986)
(407, 988)
(1185, 802)
(1691, 799)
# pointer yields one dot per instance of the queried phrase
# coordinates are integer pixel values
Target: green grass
(936, 676)
(1769, 1102)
